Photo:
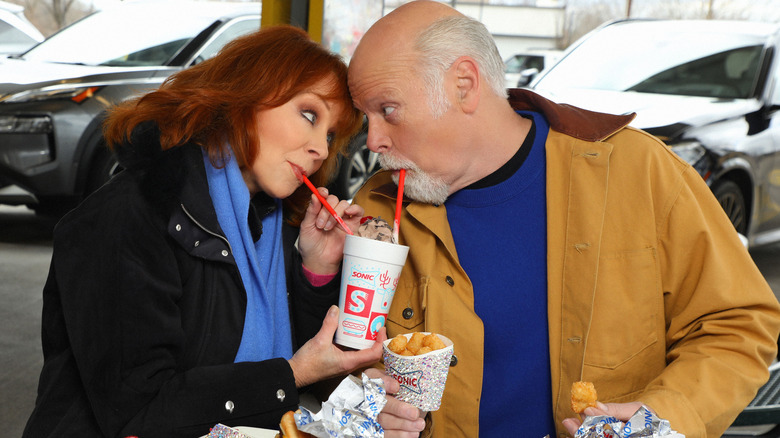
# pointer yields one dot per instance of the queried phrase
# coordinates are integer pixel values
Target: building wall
(516, 28)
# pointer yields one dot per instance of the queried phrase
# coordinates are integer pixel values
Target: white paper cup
(422, 378)
(370, 273)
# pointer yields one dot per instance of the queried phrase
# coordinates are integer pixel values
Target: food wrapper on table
(350, 411)
(222, 431)
(644, 423)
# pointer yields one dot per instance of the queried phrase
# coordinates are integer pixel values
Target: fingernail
(333, 311)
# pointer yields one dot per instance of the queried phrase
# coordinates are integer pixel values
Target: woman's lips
(298, 171)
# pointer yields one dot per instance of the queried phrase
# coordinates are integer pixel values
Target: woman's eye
(311, 116)
(387, 110)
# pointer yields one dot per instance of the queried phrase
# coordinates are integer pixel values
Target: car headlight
(694, 154)
(75, 93)
(25, 124)
(690, 151)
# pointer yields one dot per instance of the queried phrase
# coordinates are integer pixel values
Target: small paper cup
(422, 378)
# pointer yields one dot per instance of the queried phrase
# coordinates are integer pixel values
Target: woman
(176, 296)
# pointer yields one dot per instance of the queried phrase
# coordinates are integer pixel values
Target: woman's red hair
(215, 102)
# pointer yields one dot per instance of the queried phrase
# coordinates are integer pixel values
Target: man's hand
(621, 411)
(397, 418)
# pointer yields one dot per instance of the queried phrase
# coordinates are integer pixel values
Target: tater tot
(423, 350)
(397, 344)
(583, 395)
(415, 342)
(433, 341)
(406, 353)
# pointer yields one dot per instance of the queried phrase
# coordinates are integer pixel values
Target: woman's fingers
(319, 358)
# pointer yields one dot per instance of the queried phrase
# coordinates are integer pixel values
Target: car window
(231, 31)
(518, 63)
(729, 74)
(114, 37)
(695, 62)
(11, 35)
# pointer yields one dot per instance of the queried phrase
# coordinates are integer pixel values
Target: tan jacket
(651, 294)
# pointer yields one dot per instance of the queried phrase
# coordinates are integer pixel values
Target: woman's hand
(320, 358)
(321, 239)
(621, 411)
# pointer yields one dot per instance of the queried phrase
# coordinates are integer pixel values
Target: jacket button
(197, 242)
(224, 253)
(453, 360)
(178, 227)
(229, 406)
(450, 281)
(280, 395)
(408, 313)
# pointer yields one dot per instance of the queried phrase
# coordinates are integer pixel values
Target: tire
(359, 165)
(732, 201)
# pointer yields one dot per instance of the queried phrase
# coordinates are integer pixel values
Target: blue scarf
(261, 264)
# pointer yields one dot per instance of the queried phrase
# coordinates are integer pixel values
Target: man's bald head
(428, 37)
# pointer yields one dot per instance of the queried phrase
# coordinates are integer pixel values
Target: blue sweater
(507, 266)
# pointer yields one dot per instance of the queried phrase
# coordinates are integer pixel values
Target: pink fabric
(317, 280)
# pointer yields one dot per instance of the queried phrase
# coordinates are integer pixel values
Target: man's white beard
(418, 185)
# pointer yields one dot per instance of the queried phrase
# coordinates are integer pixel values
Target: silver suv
(53, 97)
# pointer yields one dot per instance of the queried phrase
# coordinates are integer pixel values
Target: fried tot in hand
(583, 395)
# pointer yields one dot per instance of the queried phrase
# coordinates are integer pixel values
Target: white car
(523, 67)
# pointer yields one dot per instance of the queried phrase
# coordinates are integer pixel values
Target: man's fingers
(571, 425)
(391, 422)
(400, 409)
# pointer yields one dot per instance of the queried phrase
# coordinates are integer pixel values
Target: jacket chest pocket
(407, 311)
(626, 309)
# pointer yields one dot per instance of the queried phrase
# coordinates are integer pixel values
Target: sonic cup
(370, 274)
(422, 377)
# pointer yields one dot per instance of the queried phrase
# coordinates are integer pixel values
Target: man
(551, 244)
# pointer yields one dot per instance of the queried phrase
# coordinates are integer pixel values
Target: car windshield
(114, 38)
(648, 58)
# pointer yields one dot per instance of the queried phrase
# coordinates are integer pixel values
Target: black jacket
(144, 309)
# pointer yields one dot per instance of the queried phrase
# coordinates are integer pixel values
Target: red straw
(325, 203)
(398, 203)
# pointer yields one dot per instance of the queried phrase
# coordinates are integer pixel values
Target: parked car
(17, 34)
(708, 89)
(53, 97)
(522, 68)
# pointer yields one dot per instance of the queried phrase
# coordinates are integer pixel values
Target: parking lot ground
(25, 251)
